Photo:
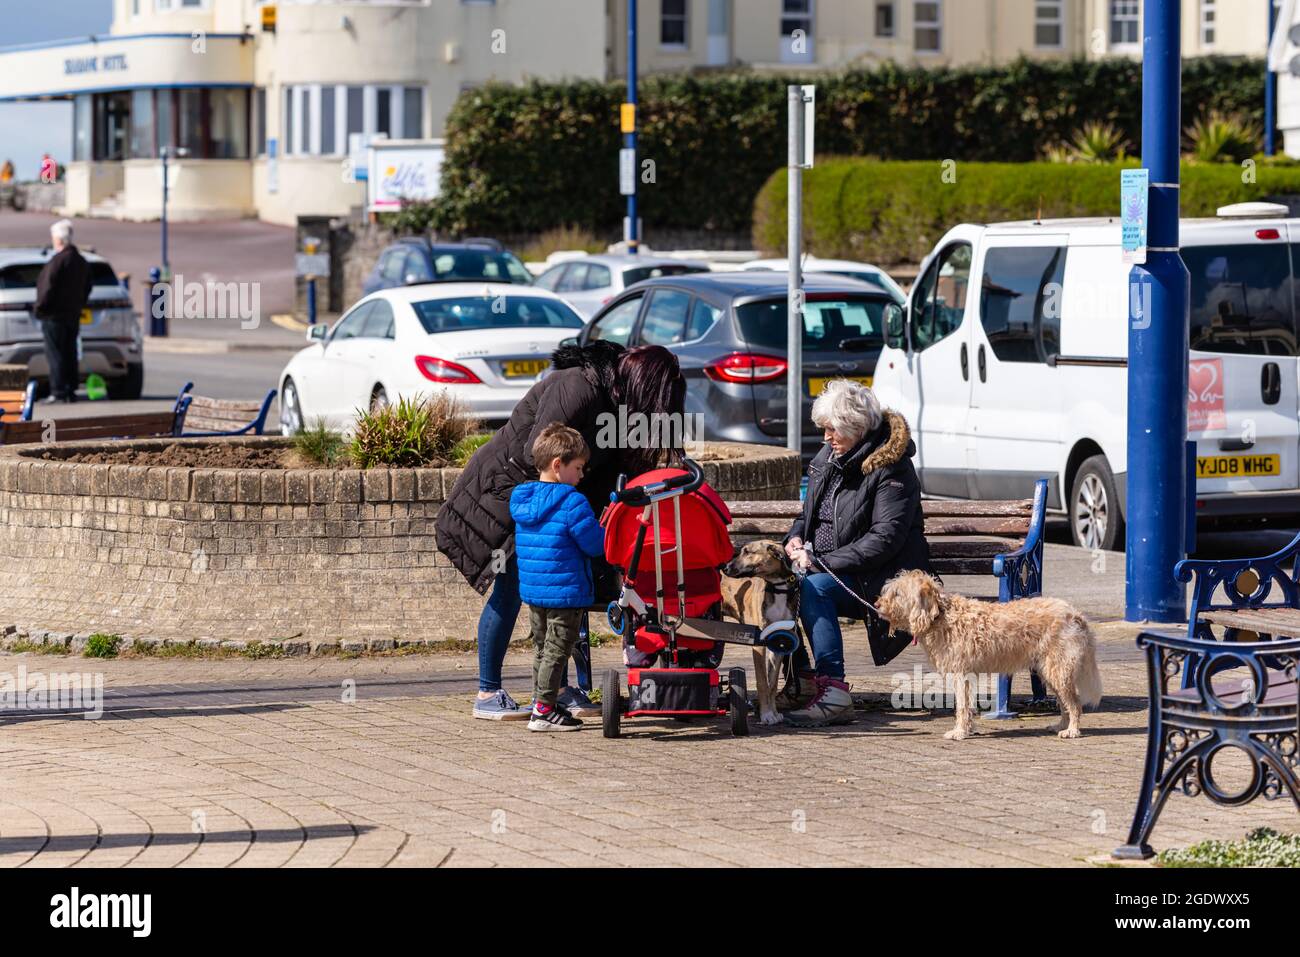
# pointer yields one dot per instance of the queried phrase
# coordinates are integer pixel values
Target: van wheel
(1095, 520)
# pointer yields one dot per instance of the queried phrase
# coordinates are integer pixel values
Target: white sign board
(627, 172)
(404, 171)
(809, 123)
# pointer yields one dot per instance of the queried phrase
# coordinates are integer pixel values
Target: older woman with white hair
(861, 524)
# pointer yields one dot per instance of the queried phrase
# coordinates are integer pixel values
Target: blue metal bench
(205, 416)
(17, 405)
(1254, 713)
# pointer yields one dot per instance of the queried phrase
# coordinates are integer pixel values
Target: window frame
(1114, 18)
(639, 297)
(684, 18)
(1058, 264)
(881, 7)
(936, 25)
(913, 323)
(1058, 21)
(1208, 23)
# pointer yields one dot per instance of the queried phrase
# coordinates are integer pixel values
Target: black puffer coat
(879, 527)
(475, 519)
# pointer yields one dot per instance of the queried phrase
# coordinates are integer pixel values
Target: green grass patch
(100, 645)
(1262, 847)
(318, 443)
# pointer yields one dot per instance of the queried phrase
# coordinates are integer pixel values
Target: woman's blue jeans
(495, 626)
(821, 604)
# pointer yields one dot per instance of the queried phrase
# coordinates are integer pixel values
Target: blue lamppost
(633, 233)
(1157, 342)
(1270, 88)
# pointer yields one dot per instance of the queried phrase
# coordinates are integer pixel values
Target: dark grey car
(728, 331)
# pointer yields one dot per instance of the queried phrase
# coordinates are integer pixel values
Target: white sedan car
(486, 342)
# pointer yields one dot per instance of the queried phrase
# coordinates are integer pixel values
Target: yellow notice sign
(268, 18)
(627, 117)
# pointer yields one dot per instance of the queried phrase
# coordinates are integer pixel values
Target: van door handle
(983, 364)
(1270, 383)
(965, 364)
(1235, 445)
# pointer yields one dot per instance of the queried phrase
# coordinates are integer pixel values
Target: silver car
(589, 282)
(111, 338)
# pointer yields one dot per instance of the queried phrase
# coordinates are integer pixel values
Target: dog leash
(822, 565)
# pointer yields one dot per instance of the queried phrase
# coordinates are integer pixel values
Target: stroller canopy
(704, 529)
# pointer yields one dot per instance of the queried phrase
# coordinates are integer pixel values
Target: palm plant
(1094, 142)
(1220, 138)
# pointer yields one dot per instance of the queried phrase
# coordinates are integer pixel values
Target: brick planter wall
(265, 554)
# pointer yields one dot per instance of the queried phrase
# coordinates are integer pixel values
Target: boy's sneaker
(500, 707)
(577, 703)
(552, 719)
(832, 704)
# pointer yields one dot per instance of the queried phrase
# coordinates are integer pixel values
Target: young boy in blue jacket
(555, 532)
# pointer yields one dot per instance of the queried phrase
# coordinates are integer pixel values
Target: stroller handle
(657, 491)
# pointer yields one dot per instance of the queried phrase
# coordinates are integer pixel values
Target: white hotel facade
(265, 116)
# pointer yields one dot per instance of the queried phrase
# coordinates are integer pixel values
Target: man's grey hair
(62, 231)
(848, 407)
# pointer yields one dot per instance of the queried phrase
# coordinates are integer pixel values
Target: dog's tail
(1089, 678)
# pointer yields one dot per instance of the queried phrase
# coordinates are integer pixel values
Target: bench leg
(582, 654)
(1001, 709)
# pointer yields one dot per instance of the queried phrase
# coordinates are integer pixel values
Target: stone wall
(252, 554)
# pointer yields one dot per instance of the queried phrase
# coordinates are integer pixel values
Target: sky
(27, 130)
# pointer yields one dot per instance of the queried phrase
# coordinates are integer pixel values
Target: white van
(1009, 361)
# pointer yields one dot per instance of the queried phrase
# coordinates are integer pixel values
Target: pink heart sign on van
(1205, 410)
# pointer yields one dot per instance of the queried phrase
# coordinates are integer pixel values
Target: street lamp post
(1270, 88)
(1157, 342)
(632, 233)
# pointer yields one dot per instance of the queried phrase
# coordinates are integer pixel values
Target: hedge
(524, 159)
(894, 212)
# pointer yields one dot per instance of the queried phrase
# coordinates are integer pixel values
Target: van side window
(1242, 299)
(941, 298)
(1020, 301)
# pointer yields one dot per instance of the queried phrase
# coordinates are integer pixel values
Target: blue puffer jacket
(555, 531)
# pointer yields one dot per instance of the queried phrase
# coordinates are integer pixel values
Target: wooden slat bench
(135, 426)
(1254, 714)
(207, 416)
(1000, 538)
(16, 404)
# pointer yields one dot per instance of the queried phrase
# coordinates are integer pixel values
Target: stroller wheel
(617, 618)
(738, 700)
(611, 703)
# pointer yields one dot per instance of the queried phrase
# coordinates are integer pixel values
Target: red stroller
(674, 642)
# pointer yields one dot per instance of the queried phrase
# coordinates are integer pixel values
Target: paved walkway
(234, 762)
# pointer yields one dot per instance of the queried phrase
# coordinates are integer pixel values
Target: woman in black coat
(586, 385)
(862, 520)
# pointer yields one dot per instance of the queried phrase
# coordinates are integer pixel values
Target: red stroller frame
(681, 634)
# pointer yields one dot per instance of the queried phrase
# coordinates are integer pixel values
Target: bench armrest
(1209, 576)
(1021, 571)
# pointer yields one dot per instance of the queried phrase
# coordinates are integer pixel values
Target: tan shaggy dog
(965, 637)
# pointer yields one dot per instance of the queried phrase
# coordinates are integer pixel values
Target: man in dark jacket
(862, 520)
(62, 291)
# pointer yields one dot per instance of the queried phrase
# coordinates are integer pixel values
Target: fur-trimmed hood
(888, 445)
(598, 360)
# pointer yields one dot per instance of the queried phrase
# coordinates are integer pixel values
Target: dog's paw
(1069, 733)
(957, 734)
(771, 719)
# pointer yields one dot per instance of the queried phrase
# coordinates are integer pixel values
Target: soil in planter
(215, 456)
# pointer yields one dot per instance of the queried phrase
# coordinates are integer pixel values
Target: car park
(487, 343)
(111, 337)
(589, 282)
(836, 267)
(729, 333)
(413, 261)
(1010, 364)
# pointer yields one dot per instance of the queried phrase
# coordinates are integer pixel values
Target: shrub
(100, 645)
(561, 239)
(528, 158)
(466, 447)
(1263, 847)
(894, 212)
(317, 443)
(1216, 138)
(411, 433)
(1094, 143)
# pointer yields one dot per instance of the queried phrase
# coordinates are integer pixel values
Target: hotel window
(797, 31)
(1049, 23)
(384, 112)
(259, 101)
(82, 128)
(142, 125)
(227, 124)
(885, 19)
(190, 134)
(1125, 28)
(168, 6)
(327, 121)
(927, 35)
(1208, 23)
(413, 110)
(672, 24)
(319, 120)
(165, 105)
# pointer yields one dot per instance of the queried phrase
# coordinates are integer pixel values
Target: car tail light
(1267, 234)
(15, 306)
(746, 367)
(440, 370)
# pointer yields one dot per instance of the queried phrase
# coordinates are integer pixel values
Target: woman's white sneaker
(832, 704)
